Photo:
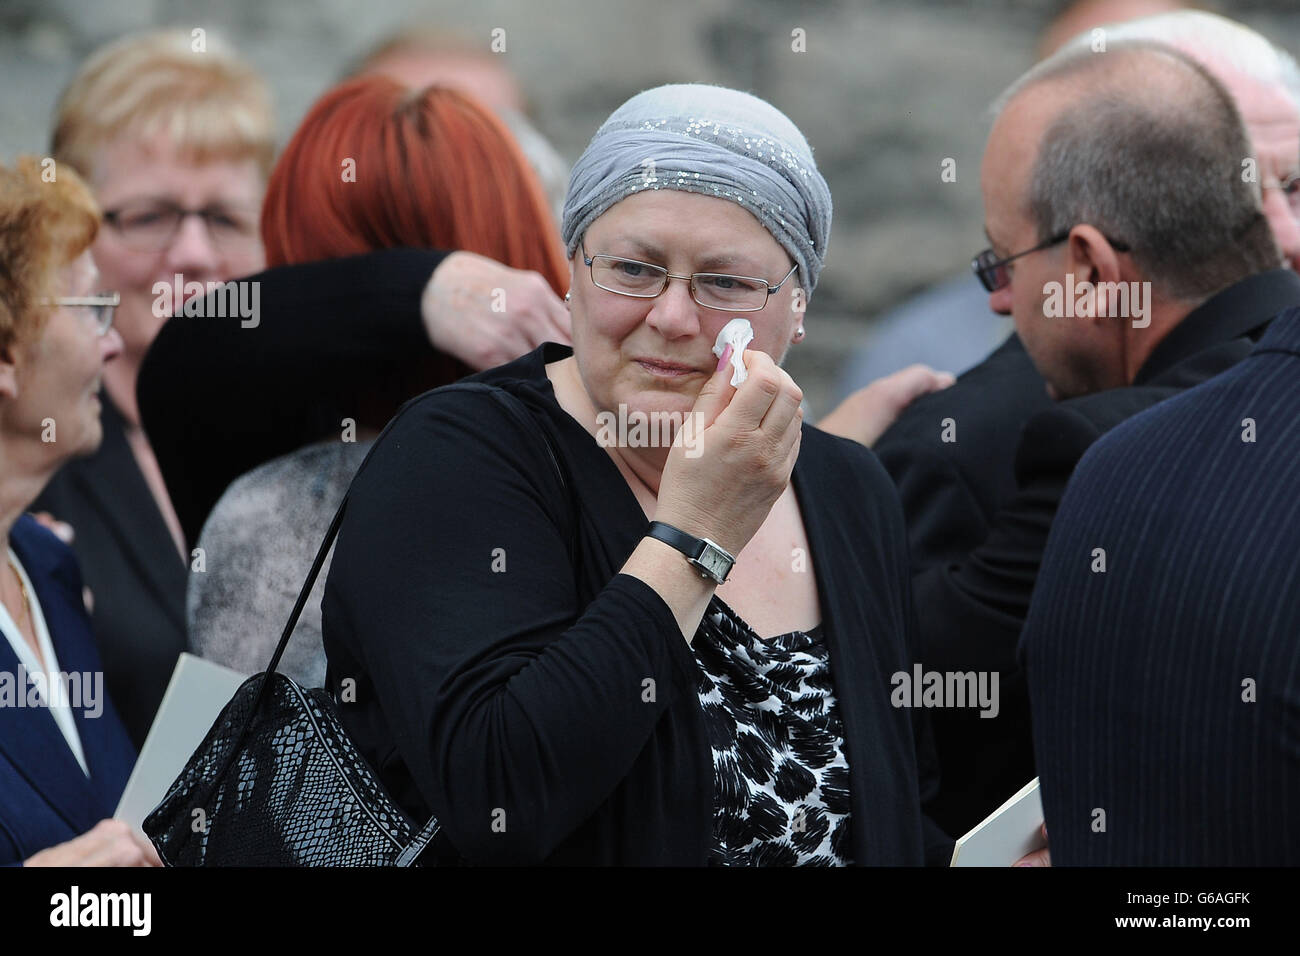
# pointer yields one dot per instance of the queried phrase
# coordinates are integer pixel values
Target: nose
(1000, 301)
(110, 345)
(192, 252)
(1286, 229)
(674, 314)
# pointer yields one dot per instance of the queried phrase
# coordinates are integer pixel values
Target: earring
(568, 297)
(799, 334)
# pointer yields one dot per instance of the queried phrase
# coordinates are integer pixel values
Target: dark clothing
(334, 340)
(45, 796)
(952, 489)
(970, 609)
(130, 563)
(502, 662)
(1165, 690)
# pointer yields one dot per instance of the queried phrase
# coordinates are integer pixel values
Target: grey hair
(1211, 40)
(1164, 177)
(1207, 38)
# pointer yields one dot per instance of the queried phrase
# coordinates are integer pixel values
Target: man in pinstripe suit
(1163, 641)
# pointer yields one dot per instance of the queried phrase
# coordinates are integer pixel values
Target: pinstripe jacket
(1166, 689)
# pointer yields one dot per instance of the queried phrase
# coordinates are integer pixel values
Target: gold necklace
(22, 588)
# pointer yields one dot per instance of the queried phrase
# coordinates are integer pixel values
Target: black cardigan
(503, 685)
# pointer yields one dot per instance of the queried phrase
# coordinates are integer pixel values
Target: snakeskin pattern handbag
(277, 781)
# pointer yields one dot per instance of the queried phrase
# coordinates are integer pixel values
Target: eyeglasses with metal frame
(101, 306)
(713, 290)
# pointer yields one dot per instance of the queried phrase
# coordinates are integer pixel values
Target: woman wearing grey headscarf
(615, 603)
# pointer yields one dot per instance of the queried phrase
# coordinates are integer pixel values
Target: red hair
(429, 169)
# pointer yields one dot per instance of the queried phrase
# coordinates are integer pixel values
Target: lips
(664, 367)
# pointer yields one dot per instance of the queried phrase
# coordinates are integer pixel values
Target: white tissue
(738, 333)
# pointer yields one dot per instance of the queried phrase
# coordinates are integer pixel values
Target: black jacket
(332, 340)
(970, 609)
(515, 696)
(1165, 690)
(954, 480)
(130, 563)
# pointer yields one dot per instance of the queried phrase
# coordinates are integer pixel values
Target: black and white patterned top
(781, 790)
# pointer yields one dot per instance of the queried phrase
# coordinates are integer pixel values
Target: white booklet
(1009, 832)
(198, 691)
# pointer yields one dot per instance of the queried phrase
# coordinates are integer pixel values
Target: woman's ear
(8, 372)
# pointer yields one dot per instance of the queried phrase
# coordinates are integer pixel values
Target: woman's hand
(62, 530)
(487, 314)
(866, 414)
(722, 478)
(108, 843)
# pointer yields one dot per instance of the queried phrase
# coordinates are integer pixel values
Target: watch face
(714, 561)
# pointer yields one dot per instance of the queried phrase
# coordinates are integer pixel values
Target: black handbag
(277, 781)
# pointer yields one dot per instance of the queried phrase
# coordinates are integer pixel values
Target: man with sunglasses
(1115, 175)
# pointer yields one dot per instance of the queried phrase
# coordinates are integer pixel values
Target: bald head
(1143, 143)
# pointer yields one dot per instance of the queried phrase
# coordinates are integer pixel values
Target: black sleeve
(953, 489)
(219, 396)
(453, 589)
(937, 844)
(944, 516)
(892, 534)
(970, 610)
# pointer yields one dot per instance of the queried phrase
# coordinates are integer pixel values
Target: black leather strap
(687, 544)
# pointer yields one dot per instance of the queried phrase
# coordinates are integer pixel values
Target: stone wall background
(884, 92)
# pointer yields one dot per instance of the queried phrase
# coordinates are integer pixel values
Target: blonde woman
(176, 145)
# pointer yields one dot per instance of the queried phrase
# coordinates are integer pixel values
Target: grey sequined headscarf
(714, 141)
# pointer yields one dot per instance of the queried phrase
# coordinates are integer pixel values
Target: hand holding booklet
(1007, 834)
(195, 697)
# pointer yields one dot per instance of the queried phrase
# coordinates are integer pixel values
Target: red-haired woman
(64, 753)
(374, 165)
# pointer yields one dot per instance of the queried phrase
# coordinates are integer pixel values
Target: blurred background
(884, 90)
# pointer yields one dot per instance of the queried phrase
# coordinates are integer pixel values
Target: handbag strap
(412, 851)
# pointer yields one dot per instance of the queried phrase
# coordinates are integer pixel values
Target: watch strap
(687, 544)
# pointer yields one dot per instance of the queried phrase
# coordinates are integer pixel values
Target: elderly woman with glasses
(64, 754)
(616, 603)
